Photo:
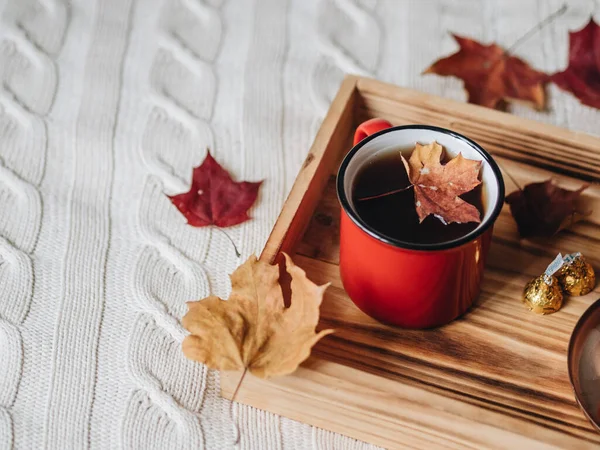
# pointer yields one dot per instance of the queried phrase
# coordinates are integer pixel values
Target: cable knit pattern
(183, 87)
(349, 40)
(31, 34)
(105, 107)
(77, 330)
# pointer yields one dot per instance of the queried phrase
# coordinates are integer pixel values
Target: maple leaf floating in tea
(253, 329)
(582, 76)
(438, 186)
(491, 76)
(214, 198)
(543, 209)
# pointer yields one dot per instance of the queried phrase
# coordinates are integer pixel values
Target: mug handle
(369, 127)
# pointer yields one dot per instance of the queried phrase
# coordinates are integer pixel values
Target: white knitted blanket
(105, 106)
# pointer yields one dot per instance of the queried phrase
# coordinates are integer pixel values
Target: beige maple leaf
(253, 329)
(438, 186)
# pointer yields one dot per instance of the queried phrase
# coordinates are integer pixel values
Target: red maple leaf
(214, 198)
(582, 76)
(492, 76)
(543, 209)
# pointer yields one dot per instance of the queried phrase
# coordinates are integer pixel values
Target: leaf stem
(236, 429)
(537, 28)
(385, 194)
(237, 253)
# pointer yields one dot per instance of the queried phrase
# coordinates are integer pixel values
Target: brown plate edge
(576, 342)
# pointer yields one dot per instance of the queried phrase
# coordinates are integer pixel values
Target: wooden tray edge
(280, 395)
(404, 413)
(402, 94)
(311, 179)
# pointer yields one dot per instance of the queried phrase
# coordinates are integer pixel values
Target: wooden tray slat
(515, 138)
(496, 378)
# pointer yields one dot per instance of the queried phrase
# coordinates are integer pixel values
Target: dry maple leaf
(542, 209)
(254, 330)
(582, 76)
(491, 76)
(437, 187)
(214, 198)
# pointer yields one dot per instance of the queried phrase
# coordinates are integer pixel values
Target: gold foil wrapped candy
(571, 274)
(576, 276)
(543, 295)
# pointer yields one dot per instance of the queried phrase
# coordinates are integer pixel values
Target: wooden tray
(497, 378)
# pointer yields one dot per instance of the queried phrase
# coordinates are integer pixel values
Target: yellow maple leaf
(253, 329)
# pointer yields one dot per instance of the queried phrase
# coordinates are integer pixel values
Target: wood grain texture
(495, 378)
(500, 133)
(308, 187)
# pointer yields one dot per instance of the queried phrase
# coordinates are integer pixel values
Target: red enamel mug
(413, 285)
